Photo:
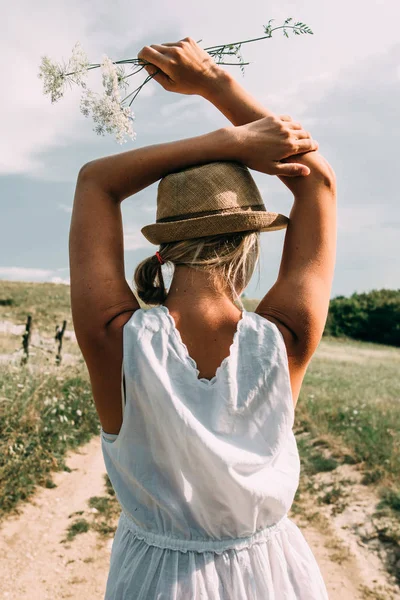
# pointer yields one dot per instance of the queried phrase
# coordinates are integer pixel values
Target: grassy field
(348, 406)
(351, 392)
(48, 303)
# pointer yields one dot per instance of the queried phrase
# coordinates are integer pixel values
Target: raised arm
(299, 299)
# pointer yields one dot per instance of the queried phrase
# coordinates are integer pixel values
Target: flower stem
(252, 40)
(234, 64)
(135, 72)
(137, 90)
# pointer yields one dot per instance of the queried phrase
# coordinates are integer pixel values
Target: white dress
(206, 471)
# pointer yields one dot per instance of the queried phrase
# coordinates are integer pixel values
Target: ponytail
(149, 281)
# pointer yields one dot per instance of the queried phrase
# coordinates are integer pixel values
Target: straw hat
(211, 199)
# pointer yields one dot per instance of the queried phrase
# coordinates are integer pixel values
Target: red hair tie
(160, 260)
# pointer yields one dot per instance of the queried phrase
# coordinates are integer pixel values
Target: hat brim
(174, 231)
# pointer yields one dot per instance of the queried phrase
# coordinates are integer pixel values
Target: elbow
(326, 174)
(330, 179)
(86, 171)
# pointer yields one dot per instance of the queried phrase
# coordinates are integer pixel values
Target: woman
(196, 397)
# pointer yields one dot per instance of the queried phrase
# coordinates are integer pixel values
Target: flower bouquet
(111, 111)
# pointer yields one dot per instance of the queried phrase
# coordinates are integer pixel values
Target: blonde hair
(230, 260)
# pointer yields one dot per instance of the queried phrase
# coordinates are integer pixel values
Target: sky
(342, 84)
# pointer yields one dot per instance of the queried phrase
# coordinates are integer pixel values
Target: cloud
(134, 240)
(357, 123)
(64, 207)
(148, 90)
(171, 109)
(32, 124)
(31, 274)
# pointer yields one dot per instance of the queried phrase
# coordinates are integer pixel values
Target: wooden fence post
(59, 338)
(26, 338)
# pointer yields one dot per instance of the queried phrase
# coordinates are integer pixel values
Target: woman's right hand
(262, 144)
(182, 67)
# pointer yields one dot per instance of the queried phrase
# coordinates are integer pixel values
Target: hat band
(218, 211)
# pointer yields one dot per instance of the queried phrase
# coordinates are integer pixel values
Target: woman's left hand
(263, 145)
(183, 66)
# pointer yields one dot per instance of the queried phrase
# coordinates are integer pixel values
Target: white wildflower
(53, 412)
(20, 385)
(79, 413)
(47, 401)
(55, 76)
(108, 115)
(78, 65)
(122, 81)
(114, 77)
(62, 406)
(72, 422)
(61, 417)
(11, 450)
(355, 412)
(54, 399)
(64, 438)
(110, 77)
(53, 79)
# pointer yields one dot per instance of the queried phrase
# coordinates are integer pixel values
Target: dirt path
(35, 564)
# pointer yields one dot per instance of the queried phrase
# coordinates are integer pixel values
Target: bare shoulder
(296, 362)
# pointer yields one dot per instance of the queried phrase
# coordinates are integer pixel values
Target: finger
(301, 134)
(285, 118)
(292, 170)
(153, 70)
(158, 75)
(306, 145)
(181, 42)
(151, 55)
(294, 125)
(162, 48)
(170, 44)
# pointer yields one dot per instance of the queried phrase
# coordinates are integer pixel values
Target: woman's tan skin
(102, 301)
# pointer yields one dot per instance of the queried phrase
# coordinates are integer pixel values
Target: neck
(195, 287)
